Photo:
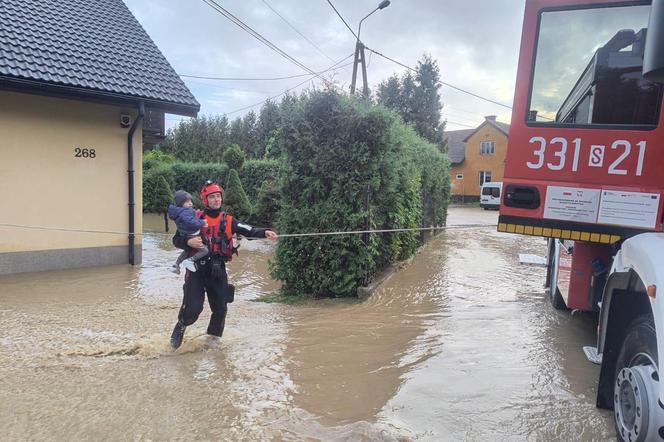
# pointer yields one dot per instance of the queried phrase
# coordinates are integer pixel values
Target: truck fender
(639, 264)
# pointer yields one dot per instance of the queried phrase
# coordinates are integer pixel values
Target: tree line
(414, 96)
(320, 161)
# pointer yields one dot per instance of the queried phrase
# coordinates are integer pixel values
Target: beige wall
(474, 162)
(43, 184)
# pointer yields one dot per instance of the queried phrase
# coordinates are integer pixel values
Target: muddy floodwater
(459, 345)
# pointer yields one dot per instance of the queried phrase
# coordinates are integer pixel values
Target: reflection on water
(460, 345)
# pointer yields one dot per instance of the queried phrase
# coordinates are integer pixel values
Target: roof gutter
(130, 177)
(92, 95)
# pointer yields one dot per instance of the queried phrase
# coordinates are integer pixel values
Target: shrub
(192, 176)
(267, 204)
(255, 173)
(154, 158)
(348, 165)
(234, 157)
(157, 189)
(236, 201)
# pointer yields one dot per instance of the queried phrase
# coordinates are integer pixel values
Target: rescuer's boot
(177, 335)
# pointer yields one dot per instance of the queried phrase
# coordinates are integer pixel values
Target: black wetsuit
(210, 280)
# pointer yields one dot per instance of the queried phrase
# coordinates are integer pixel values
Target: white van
(490, 195)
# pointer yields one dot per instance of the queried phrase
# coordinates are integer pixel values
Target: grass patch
(279, 297)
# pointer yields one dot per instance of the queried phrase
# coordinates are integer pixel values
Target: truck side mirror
(653, 58)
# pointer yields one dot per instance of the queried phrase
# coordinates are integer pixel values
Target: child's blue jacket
(185, 219)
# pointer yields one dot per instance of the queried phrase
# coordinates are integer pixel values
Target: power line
(255, 78)
(465, 111)
(289, 89)
(460, 117)
(448, 84)
(240, 24)
(442, 82)
(225, 88)
(296, 30)
(342, 19)
(461, 124)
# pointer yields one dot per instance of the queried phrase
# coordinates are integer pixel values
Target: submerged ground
(460, 345)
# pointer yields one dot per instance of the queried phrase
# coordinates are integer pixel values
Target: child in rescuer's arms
(189, 226)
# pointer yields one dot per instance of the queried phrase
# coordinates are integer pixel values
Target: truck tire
(551, 285)
(557, 300)
(636, 383)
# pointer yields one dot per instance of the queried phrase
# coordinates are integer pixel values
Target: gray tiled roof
(504, 126)
(456, 148)
(88, 47)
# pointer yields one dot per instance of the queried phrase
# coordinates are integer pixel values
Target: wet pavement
(459, 345)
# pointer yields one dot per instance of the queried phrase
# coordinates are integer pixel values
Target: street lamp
(384, 4)
(359, 53)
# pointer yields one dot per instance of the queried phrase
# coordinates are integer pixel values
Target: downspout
(130, 172)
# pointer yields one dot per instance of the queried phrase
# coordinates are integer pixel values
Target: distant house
(77, 78)
(477, 156)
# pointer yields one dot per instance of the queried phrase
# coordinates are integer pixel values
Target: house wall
(44, 184)
(469, 186)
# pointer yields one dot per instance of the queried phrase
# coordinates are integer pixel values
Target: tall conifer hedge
(347, 163)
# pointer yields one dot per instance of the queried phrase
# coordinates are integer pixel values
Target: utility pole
(360, 57)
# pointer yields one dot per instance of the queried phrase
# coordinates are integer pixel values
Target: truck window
(588, 66)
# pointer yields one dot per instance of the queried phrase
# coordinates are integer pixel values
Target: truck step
(592, 355)
(532, 260)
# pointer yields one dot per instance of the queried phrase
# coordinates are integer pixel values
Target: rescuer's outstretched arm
(251, 231)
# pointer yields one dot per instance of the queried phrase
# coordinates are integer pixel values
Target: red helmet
(209, 188)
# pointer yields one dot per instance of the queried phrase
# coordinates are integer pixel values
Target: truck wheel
(551, 286)
(636, 386)
(557, 300)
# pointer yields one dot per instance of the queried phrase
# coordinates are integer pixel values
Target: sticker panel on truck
(634, 209)
(572, 204)
(610, 207)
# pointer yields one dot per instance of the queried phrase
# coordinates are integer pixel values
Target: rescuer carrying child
(211, 277)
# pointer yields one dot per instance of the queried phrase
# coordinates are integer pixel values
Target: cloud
(476, 44)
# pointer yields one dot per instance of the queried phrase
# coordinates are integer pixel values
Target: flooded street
(459, 345)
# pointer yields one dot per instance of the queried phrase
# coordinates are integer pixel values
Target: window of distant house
(487, 147)
(459, 176)
(485, 177)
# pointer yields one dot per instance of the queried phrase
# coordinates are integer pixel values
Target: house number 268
(84, 153)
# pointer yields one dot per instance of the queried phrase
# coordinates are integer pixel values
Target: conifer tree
(417, 99)
(234, 157)
(236, 201)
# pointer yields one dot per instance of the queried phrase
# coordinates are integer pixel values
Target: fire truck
(585, 169)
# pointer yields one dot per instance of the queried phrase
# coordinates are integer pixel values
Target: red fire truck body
(572, 157)
(585, 168)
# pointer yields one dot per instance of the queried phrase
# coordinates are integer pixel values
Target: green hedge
(191, 176)
(158, 182)
(255, 173)
(339, 154)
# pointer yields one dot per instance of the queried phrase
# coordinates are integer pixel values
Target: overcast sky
(476, 44)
